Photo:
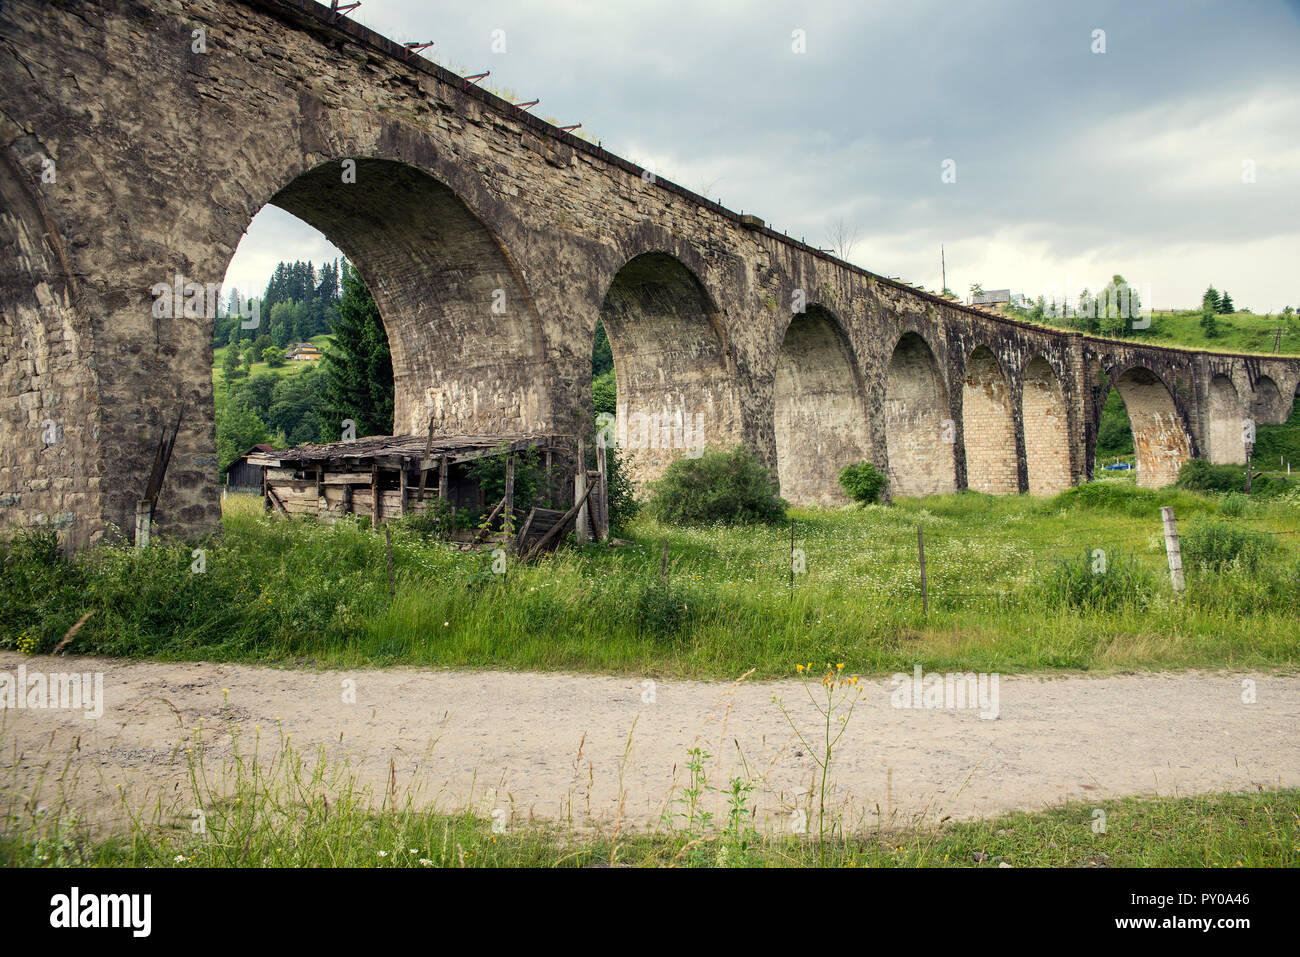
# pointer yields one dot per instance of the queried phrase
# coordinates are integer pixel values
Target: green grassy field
(1013, 585)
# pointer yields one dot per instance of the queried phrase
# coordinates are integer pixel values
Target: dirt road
(551, 745)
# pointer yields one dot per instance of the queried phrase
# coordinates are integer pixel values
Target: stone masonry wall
(462, 206)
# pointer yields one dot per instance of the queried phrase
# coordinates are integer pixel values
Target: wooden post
(1172, 548)
(792, 556)
(602, 504)
(550, 477)
(442, 478)
(374, 497)
(663, 565)
(143, 523)
(556, 531)
(508, 509)
(580, 494)
(401, 508)
(347, 499)
(388, 540)
(920, 549)
(424, 472)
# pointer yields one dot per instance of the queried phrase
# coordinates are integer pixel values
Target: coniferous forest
(262, 396)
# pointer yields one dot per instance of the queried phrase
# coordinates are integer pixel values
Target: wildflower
(383, 853)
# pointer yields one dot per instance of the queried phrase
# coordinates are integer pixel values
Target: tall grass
(270, 805)
(301, 592)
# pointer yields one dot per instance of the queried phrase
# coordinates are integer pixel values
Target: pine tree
(1211, 295)
(230, 367)
(1225, 303)
(1208, 321)
(357, 371)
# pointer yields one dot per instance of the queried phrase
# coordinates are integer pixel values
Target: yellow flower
(800, 668)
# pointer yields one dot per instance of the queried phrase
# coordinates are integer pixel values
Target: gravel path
(555, 745)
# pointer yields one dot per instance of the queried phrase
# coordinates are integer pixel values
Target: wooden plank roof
(396, 451)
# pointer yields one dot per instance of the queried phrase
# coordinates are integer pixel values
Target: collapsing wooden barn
(391, 476)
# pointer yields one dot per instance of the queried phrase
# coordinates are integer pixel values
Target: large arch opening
(1225, 432)
(466, 346)
(1278, 445)
(1265, 400)
(819, 417)
(988, 426)
(675, 385)
(1160, 442)
(920, 436)
(1047, 429)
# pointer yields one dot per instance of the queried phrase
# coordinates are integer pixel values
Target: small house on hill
(303, 352)
(390, 476)
(993, 297)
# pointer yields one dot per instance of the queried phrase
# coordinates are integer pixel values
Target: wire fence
(1145, 538)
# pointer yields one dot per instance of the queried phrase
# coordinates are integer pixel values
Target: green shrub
(1199, 475)
(1213, 545)
(1091, 583)
(731, 488)
(623, 505)
(530, 477)
(1233, 505)
(1125, 498)
(663, 611)
(864, 482)
(39, 589)
(433, 523)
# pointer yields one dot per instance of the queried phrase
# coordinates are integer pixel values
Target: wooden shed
(390, 476)
(244, 476)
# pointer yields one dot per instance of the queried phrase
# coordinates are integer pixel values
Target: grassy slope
(1237, 332)
(220, 390)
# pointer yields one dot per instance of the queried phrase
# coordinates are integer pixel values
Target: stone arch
(1161, 443)
(988, 426)
(1265, 400)
(819, 417)
(49, 381)
(1047, 429)
(1224, 433)
(919, 434)
(676, 380)
(464, 335)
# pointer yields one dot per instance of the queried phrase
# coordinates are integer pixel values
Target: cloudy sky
(1172, 158)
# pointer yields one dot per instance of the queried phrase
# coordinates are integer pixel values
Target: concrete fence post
(1172, 549)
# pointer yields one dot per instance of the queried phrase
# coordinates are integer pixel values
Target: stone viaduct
(140, 137)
